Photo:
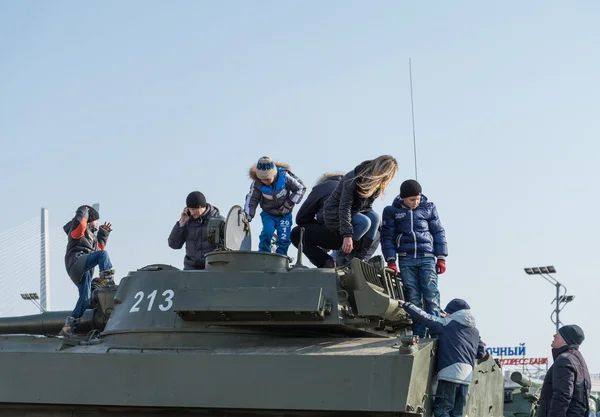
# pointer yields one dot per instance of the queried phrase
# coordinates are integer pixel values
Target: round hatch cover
(237, 230)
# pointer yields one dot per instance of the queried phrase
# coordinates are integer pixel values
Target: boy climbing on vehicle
(84, 252)
(277, 190)
(412, 229)
(458, 347)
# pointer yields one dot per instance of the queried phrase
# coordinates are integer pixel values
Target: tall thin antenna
(412, 106)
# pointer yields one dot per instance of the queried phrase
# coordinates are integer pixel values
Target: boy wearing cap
(459, 345)
(412, 229)
(192, 229)
(567, 384)
(84, 252)
(277, 190)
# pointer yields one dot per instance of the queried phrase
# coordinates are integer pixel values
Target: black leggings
(318, 240)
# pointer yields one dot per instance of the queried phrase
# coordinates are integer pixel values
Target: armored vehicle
(595, 403)
(252, 335)
(522, 401)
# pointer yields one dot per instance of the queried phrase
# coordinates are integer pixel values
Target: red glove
(440, 266)
(392, 265)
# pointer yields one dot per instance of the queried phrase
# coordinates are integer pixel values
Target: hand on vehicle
(392, 265)
(347, 245)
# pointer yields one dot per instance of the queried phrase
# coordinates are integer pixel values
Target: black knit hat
(195, 199)
(456, 305)
(92, 214)
(572, 334)
(410, 188)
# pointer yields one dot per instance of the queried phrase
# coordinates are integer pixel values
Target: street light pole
(544, 272)
(33, 297)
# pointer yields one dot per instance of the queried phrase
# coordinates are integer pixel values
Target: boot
(329, 263)
(363, 249)
(106, 279)
(70, 326)
(341, 258)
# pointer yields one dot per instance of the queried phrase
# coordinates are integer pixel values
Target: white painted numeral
(168, 302)
(135, 306)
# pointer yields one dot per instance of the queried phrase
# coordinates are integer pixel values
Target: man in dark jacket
(459, 345)
(84, 252)
(567, 385)
(192, 229)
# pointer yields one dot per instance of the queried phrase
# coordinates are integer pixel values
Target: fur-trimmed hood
(329, 175)
(252, 171)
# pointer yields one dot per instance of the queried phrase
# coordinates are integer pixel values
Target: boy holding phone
(192, 229)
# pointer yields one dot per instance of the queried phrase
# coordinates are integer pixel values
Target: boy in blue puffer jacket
(277, 190)
(412, 229)
(458, 347)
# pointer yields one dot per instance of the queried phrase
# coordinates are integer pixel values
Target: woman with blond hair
(349, 210)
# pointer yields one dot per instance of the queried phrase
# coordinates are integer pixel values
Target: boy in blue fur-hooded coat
(277, 190)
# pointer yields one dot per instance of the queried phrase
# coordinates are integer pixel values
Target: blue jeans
(101, 259)
(283, 225)
(421, 283)
(365, 224)
(450, 399)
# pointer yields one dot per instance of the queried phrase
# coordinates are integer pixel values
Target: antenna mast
(412, 106)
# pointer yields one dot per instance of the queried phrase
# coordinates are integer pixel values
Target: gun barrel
(524, 380)
(49, 322)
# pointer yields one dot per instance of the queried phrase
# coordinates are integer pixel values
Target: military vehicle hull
(326, 375)
(250, 335)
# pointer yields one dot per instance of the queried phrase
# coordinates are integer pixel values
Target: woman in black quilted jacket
(349, 210)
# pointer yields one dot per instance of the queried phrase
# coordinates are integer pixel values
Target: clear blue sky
(134, 104)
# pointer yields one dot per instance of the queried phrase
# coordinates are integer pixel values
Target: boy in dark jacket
(192, 229)
(412, 229)
(277, 190)
(567, 384)
(458, 346)
(84, 252)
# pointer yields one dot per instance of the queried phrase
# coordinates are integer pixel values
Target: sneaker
(70, 326)
(107, 273)
(106, 279)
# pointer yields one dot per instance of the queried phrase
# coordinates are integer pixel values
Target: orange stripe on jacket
(79, 231)
(101, 246)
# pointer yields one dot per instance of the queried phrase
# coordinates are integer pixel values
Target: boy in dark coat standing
(412, 230)
(567, 384)
(85, 251)
(458, 346)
